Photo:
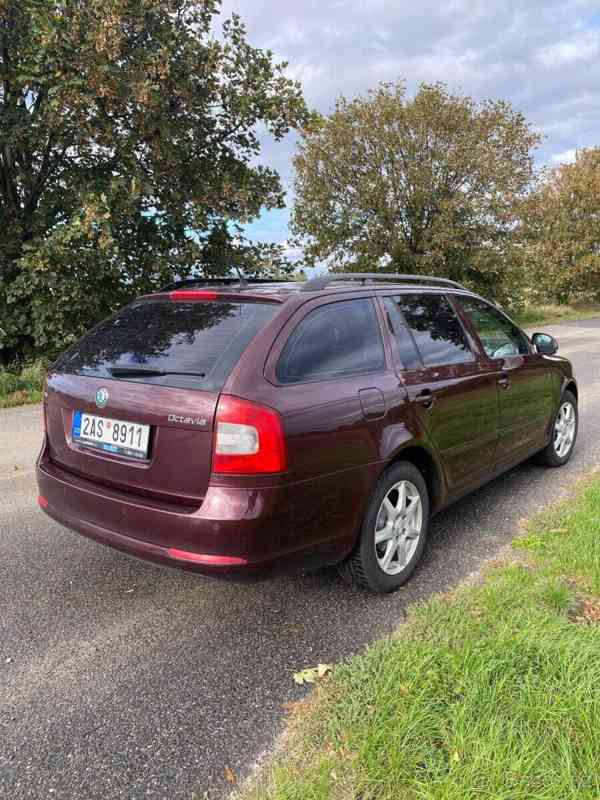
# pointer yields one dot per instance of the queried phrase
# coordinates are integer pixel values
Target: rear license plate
(112, 435)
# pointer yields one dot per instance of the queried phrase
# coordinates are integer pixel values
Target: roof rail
(321, 281)
(241, 281)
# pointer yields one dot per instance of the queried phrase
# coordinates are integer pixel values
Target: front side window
(498, 335)
(333, 341)
(435, 329)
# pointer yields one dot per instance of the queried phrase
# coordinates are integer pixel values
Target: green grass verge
(550, 314)
(492, 691)
(21, 386)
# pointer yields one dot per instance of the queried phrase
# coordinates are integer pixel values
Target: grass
(550, 314)
(19, 386)
(492, 691)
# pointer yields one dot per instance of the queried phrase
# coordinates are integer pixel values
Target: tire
(402, 527)
(555, 454)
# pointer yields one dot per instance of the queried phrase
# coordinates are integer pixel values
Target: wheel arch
(571, 386)
(427, 465)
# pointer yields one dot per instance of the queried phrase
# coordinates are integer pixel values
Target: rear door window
(436, 331)
(182, 344)
(333, 341)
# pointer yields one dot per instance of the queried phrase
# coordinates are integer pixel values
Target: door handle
(425, 399)
(504, 381)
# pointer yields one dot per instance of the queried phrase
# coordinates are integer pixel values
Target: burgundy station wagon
(236, 427)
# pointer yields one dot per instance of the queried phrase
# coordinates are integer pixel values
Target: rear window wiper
(126, 372)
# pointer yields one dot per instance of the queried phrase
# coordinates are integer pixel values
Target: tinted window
(436, 329)
(498, 335)
(205, 338)
(334, 340)
(409, 355)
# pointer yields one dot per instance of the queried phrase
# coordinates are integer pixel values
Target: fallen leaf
(455, 756)
(312, 674)
(229, 775)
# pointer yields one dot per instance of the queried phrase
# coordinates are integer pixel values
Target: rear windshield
(195, 344)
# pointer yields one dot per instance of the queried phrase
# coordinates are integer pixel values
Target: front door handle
(504, 381)
(425, 398)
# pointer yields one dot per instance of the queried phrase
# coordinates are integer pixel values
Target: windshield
(181, 344)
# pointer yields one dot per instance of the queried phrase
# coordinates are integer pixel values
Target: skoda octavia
(236, 428)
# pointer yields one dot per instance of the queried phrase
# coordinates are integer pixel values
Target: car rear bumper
(234, 534)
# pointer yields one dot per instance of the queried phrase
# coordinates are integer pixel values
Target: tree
(128, 146)
(561, 231)
(425, 185)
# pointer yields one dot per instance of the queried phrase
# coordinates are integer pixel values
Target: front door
(452, 391)
(524, 381)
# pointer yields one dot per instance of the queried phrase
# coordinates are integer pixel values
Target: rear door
(331, 375)
(159, 362)
(452, 392)
(525, 391)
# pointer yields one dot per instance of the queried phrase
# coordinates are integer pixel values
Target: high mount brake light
(191, 294)
(249, 438)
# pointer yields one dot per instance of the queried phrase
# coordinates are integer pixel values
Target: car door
(331, 370)
(525, 392)
(451, 389)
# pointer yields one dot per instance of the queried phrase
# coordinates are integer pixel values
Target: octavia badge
(102, 397)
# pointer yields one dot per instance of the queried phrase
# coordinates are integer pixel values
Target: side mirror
(544, 343)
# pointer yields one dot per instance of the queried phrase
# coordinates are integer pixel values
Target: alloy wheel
(398, 527)
(564, 429)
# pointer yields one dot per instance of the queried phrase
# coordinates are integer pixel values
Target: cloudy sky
(542, 56)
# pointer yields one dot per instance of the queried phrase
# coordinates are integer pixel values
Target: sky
(541, 55)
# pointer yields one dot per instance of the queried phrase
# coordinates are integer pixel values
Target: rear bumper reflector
(204, 558)
(42, 502)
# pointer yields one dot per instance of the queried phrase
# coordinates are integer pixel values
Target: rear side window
(409, 355)
(195, 344)
(436, 330)
(333, 341)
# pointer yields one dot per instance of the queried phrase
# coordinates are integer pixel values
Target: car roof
(330, 283)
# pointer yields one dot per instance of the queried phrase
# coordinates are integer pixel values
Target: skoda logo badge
(102, 397)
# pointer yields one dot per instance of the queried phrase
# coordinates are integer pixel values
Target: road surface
(123, 680)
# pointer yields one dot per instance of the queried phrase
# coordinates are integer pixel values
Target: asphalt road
(122, 680)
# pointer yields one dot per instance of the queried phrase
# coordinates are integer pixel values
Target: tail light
(249, 438)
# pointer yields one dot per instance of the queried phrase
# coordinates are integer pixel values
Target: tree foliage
(561, 231)
(427, 184)
(128, 145)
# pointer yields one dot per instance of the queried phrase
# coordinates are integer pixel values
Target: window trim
(424, 366)
(298, 317)
(467, 321)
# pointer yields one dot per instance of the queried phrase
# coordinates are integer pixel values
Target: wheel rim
(398, 527)
(564, 429)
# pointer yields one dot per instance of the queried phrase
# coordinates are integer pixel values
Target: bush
(22, 384)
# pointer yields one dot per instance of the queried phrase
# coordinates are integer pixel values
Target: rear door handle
(504, 381)
(425, 398)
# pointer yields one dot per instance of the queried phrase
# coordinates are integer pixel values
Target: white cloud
(541, 55)
(566, 157)
(583, 47)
